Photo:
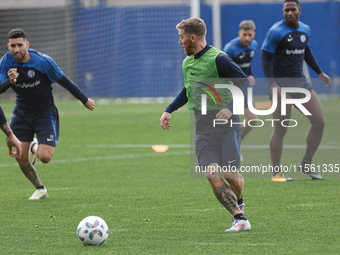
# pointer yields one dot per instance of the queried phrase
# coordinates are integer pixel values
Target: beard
(245, 44)
(22, 56)
(189, 49)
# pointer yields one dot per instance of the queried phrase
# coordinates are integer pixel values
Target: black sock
(306, 161)
(277, 169)
(240, 216)
(41, 187)
(240, 201)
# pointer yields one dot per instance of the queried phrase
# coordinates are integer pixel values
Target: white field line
(249, 146)
(57, 161)
(252, 147)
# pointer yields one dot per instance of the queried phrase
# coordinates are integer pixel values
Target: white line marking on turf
(249, 146)
(109, 157)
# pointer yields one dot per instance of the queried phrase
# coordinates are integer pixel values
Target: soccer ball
(92, 230)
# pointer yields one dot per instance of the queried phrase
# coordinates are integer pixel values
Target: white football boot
(39, 194)
(239, 225)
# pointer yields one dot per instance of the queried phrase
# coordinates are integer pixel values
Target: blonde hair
(194, 26)
(247, 24)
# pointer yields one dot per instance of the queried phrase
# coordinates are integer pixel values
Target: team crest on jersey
(303, 38)
(31, 73)
(252, 53)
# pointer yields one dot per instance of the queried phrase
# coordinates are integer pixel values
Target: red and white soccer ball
(92, 230)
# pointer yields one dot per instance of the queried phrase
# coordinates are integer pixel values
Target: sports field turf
(104, 166)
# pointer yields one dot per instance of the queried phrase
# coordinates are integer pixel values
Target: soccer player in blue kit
(242, 50)
(215, 146)
(284, 49)
(12, 140)
(30, 74)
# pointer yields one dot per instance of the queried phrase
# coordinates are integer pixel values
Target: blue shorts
(45, 124)
(221, 148)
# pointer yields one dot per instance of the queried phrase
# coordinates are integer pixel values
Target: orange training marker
(160, 148)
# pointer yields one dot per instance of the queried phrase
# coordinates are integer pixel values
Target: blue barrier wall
(129, 52)
(134, 51)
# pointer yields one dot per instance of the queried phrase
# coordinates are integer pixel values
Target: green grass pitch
(104, 166)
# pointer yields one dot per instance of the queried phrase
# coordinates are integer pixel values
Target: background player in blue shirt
(12, 141)
(242, 50)
(30, 74)
(285, 48)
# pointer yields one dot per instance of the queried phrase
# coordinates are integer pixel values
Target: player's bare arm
(165, 120)
(12, 141)
(225, 113)
(13, 75)
(251, 79)
(325, 78)
(90, 104)
(275, 85)
(14, 146)
(6, 129)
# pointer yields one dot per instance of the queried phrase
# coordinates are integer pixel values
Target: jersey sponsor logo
(303, 38)
(31, 73)
(28, 85)
(295, 52)
(244, 65)
(243, 54)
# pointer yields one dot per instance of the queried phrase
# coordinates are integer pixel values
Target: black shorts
(221, 148)
(294, 83)
(45, 124)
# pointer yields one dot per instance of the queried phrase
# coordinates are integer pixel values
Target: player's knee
(45, 158)
(236, 180)
(252, 117)
(319, 125)
(214, 181)
(280, 131)
(23, 161)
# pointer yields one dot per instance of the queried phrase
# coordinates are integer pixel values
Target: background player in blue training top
(284, 49)
(242, 50)
(30, 74)
(12, 141)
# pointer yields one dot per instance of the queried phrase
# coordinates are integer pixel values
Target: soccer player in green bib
(217, 146)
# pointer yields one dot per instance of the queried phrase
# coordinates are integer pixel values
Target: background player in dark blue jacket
(242, 50)
(12, 141)
(285, 48)
(30, 74)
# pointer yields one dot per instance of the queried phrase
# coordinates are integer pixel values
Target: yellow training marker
(160, 148)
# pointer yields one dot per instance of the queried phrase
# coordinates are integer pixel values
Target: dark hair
(17, 33)
(194, 26)
(295, 1)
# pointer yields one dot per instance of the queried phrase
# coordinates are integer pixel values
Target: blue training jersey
(242, 56)
(288, 46)
(33, 88)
